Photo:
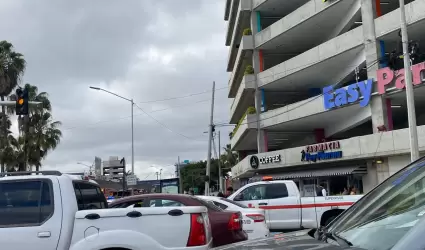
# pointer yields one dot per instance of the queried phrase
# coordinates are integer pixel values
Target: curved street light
(132, 121)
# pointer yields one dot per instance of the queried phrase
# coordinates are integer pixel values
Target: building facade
(113, 169)
(317, 94)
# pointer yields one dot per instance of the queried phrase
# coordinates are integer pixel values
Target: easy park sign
(387, 78)
(359, 91)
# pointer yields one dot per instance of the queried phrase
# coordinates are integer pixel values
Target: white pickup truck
(286, 209)
(54, 211)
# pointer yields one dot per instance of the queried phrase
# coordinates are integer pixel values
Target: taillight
(197, 235)
(235, 222)
(256, 217)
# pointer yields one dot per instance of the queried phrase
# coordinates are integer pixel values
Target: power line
(165, 126)
(181, 97)
(138, 114)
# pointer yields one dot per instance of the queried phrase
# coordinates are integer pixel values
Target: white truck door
(283, 208)
(31, 214)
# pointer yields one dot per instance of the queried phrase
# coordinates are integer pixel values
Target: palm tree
(11, 155)
(229, 157)
(12, 67)
(42, 133)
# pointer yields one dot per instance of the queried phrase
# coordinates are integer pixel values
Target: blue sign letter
(328, 97)
(366, 91)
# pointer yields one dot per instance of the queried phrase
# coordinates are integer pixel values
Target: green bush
(249, 111)
(247, 32)
(249, 70)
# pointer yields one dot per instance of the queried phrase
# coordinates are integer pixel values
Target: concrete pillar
(370, 180)
(382, 170)
(378, 103)
(256, 64)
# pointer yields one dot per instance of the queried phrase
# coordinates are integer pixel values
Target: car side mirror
(238, 197)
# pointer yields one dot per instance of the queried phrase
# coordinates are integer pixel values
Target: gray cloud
(146, 50)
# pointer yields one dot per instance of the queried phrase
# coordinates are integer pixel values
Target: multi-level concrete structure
(313, 97)
(113, 169)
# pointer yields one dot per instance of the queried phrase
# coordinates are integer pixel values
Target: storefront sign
(359, 91)
(320, 156)
(317, 152)
(254, 162)
(387, 77)
(323, 147)
(270, 159)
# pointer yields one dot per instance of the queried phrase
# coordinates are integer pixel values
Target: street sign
(131, 180)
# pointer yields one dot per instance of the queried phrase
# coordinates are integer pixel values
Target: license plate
(246, 221)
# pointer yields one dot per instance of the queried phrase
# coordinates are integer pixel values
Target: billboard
(170, 186)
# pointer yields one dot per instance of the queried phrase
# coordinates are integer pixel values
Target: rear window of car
(25, 203)
(89, 196)
(208, 205)
(234, 203)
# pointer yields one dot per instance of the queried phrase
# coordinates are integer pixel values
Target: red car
(226, 226)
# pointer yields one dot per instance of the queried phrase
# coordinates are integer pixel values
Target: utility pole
(220, 185)
(180, 176)
(410, 98)
(157, 176)
(210, 134)
(26, 132)
(132, 136)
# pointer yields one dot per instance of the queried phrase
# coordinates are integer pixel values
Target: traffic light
(21, 102)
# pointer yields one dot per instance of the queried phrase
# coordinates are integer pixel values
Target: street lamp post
(90, 167)
(132, 122)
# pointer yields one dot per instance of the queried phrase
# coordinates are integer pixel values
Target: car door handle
(92, 216)
(175, 212)
(262, 204)
(43, 235)
(134, 214)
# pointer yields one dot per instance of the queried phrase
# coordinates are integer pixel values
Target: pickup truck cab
(54, 211)
(286, 209)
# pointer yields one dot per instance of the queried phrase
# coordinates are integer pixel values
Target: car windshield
(387, 213)
(234, 203)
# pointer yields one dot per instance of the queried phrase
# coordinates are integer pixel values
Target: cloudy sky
(142, 49)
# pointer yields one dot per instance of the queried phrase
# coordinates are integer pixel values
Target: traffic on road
(51, 210)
